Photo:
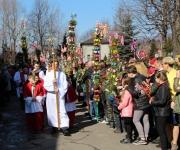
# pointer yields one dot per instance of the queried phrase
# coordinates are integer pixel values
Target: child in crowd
(126, 110)
(33, 93)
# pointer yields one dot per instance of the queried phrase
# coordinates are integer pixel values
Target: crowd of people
(144, 102)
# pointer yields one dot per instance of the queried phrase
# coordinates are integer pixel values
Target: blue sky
(88, 11)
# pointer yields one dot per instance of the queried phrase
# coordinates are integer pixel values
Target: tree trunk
(41, 43)
(176, 37)
(176, 29)
(14, 51)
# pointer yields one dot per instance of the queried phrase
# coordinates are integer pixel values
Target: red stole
(70, 95)
(38, 90)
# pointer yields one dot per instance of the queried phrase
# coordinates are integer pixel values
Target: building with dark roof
(88, 46)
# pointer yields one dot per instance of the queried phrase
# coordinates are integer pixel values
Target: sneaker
(93, 118)
(104, 121)
(140, 142)
(136, 140)
(126, 141)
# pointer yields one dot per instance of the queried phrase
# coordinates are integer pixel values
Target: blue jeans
(111, 100)
(93, 108)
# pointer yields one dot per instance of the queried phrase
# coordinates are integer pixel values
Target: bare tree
(119, 18)
(9, 10)
(124, 22)
(175, 26)
(161, 16)
(55, 25)
(44, 22)
(38, 22)
(155, 15)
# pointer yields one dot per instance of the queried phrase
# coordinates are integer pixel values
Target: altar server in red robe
(33, 95)
(70, 99)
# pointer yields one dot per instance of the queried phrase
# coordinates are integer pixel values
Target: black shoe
(156, 141)
(125, 141)
(66, 132)
(87, 114)
(54, 130)
(84, 105)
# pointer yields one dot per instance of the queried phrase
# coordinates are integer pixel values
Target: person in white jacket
(20, 78)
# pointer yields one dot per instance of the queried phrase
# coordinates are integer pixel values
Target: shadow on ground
(14, 135)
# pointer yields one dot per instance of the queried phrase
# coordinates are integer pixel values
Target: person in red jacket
(33, 95)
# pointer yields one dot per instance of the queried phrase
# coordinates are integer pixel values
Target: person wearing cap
(168, 63)
(176, 112)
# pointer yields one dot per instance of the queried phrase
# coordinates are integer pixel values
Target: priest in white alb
(54, 86)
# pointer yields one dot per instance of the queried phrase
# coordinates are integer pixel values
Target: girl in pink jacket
(126, 110)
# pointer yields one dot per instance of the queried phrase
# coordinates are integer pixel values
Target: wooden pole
(57, 93)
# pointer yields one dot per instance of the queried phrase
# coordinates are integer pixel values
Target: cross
(73, 16)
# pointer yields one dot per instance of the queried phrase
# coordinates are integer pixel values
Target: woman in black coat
(161, 106)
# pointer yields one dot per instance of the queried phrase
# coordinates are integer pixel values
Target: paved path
(87, 135)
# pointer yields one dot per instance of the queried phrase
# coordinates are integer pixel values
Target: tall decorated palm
(114, 43)
(71, 45)
(98, 36)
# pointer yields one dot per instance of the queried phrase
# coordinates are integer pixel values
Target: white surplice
(51, 99)
(33, 107)
(17, 80)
